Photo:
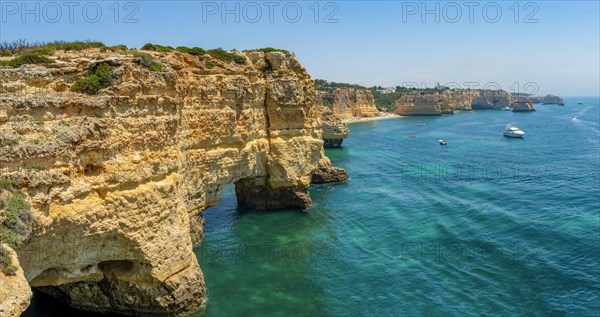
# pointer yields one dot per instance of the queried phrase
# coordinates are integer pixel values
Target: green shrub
(18, 220)
(209, 64)
(197, 51)
(10, 237)
(225, 56)
(4, 256)
(27, 58)
(5, 53)
(91, 85)
(143, 55)
(10, 270)
(114, 48)
(48, 48)
(6, 183)
(157, 48)
(155, 68)
(183, 49)
(269, 49)
(147, 60)
(6, 265)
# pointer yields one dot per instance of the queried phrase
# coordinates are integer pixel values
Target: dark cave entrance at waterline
(44, 305)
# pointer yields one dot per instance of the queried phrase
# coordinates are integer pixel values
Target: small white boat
(443, 142)
(513, 132)
(507, 108)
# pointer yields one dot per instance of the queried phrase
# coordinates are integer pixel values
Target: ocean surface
(486, 225)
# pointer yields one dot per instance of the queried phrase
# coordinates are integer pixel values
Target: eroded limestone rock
(552, 99)
(15, 293)
(350, 102)
(118, 179)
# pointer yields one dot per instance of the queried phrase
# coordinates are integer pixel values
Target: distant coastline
(383, 116)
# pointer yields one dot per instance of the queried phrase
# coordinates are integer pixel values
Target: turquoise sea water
(486, 225)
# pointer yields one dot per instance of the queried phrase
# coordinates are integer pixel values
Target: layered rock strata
(334, 129)
(522, 106)
(491, 99)
(350, 102)
(118, 179)
(427, 104)
(417, 103)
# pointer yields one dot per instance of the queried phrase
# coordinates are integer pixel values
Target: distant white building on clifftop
(387, 90)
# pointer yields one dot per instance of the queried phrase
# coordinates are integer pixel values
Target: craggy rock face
(118, 179)
(15, 293)
(414, 103)
(350, 102)
(418, 103)
(523, 106)
(334, 129)
(492, 99)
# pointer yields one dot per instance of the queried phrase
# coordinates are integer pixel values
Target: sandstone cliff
(522, 106)
(334, 129)
(424, 103)
(15, 293)
(534, 99)
(350, 102)
(553, 100)
(118, 179)
(418, 103)
(492, 99)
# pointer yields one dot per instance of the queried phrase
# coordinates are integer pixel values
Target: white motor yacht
(513, 132)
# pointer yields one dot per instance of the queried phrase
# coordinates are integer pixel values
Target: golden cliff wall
(421, 103)
(118, 179)
(350, 102)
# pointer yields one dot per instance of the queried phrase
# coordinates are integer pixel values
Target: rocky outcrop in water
(334, 129)
(553, 100)
(350, 102)
(522, 106)
(119, 179)
(326, 173)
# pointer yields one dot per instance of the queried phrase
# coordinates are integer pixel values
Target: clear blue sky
(383, 43)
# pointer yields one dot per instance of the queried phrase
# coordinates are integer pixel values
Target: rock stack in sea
(553, 100)
(522, 106)
(119, 179)
(334, 129)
